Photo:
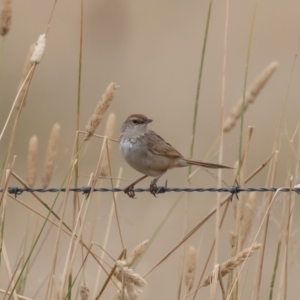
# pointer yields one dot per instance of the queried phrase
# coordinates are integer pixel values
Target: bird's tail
(205, 164)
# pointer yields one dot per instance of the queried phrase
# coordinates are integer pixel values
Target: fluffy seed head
(109, 132)
(84, 292)
(50, 155)
(232, 263)
(100, 109)
(32, 160)
(250, 96)
(249, 215)
(136, 253)
(5, 17)
(39, 49)
(190, 267)
(232, 238)
(133, 281)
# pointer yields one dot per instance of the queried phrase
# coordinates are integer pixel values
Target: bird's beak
(148, 121)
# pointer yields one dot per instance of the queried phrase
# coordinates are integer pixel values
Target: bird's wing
(157, 145)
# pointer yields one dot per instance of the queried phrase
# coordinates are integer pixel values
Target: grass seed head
(251, 93)
(100, 110)
(50, 155)
(249, 215)
(32, 160)
(84, 292)
(233, 262)
(136, 253)
(190, 267)
(24, 91)
(109, 132)
(5, 17)
(39, 49)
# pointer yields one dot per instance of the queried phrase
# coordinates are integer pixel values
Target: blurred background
(152, 50)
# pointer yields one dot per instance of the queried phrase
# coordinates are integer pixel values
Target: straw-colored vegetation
(5, 17)
(32, 160)
(50, 155)
(100, 109)
(25, 80)
(66, 254)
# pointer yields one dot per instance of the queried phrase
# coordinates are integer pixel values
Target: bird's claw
(153, 188)
(129, 191)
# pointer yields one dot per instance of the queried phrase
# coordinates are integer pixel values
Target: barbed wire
(234, 190)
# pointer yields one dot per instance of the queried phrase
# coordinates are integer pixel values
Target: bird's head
(135, 125)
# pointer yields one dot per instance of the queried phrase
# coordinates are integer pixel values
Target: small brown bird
(148, 153)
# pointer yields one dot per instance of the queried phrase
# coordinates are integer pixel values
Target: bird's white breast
(126, 147)
(137, 155)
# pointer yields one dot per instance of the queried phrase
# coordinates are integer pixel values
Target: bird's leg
(153, 186)
(129, 190)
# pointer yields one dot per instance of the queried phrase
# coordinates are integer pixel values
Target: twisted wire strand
(234, 190)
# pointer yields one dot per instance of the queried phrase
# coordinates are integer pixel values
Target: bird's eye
(135, 121)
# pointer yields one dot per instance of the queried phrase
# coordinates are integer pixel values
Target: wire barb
(14, 190)
(234, 190)
(86, 190)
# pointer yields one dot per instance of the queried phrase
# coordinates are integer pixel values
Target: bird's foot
(129, 191)
(153, 188)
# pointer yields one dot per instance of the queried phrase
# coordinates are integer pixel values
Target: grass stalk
(275, 270)
(78, 106)
(107, 232)
(75, 241)
(9, 269)
(266, 215)
(114, 198)
(188, 235)
(207, 217)
(29, 75)
(221, 145)
(287, 239)
(210, 253)
(59, 231)
(2, 47)
(245, 85)
(33, 247)
(199, 82)
(12, 278)
(79, 86)
(265, 232)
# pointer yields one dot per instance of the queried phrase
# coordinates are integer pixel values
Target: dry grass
(5, 17)
(136, 253)
(32, 160)
(249, 215)
(133, 283)
(23, 87)
(100, 110)
(73, 246)
(233, 262)
(39, 50)
(50, 155)
(251, 94)
(109, 133)
(190, 268)
(84, 293)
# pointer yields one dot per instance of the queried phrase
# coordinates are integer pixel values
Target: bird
(147, 152)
